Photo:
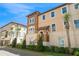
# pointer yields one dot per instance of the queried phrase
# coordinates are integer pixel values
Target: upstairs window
(32, 20)
(53, 27)
(76, 22)
(6, 35)
(77, 6)
(52, 14)
(43, 17)
(64, 10)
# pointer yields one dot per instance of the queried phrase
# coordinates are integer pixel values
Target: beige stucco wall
(12, 36)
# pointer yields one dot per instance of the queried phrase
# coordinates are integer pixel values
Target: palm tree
(66, 19)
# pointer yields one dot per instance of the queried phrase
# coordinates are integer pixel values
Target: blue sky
(17, 12)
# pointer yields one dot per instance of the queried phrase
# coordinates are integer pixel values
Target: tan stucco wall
(60, 28)
(58, 20)
(31, 38)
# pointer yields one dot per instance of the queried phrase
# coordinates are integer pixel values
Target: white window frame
(54, 14)
(59, 40)
(42, 17)
(75, 24)
(55, 27)
(66, 8)
(32, 19)
(74, 6)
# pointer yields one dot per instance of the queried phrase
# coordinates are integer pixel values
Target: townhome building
(11, 31)
(51, 23)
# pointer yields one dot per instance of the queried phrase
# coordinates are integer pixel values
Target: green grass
(49, 53)
(53, 54)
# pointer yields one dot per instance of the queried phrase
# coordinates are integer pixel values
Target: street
(5, 51)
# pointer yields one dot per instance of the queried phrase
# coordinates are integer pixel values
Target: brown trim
(32, 14)
(54, 8)
(48, 10)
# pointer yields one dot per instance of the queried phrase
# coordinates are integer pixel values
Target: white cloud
(17, 8)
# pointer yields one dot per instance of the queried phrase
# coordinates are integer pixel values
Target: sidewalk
(6, 53)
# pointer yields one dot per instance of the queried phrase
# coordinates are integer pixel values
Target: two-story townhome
(51, 23)
(11, 31)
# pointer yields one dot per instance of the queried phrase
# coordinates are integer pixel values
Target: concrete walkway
(6, 51)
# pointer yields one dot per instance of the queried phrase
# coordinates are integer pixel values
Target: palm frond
(66, 17)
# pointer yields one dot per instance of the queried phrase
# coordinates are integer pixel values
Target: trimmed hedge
(19, 46)
(32, 47)
(75, 52)
(49, 49)
(59, 49)
(52, 49)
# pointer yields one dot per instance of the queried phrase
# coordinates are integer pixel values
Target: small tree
(40, 42)
(24, 44)
(14, 43)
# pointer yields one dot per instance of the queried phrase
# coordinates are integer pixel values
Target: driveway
(6, 51)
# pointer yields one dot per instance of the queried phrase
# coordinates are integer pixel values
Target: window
(61, 42)
(6, 35)
(76, 22)
(53, 27)
(12, 34)
(31, 30)
(64, 10)
(43, 17)
(32, 20)
(77, 6)
(52, 14)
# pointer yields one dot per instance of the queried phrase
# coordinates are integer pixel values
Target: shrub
(14, 43)
(24, 44)
(19, 45)
(66, 50)
(32, 47)
(46, 48)
(53, 48)
(40, 44)
(59, 49)
(76, 53)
